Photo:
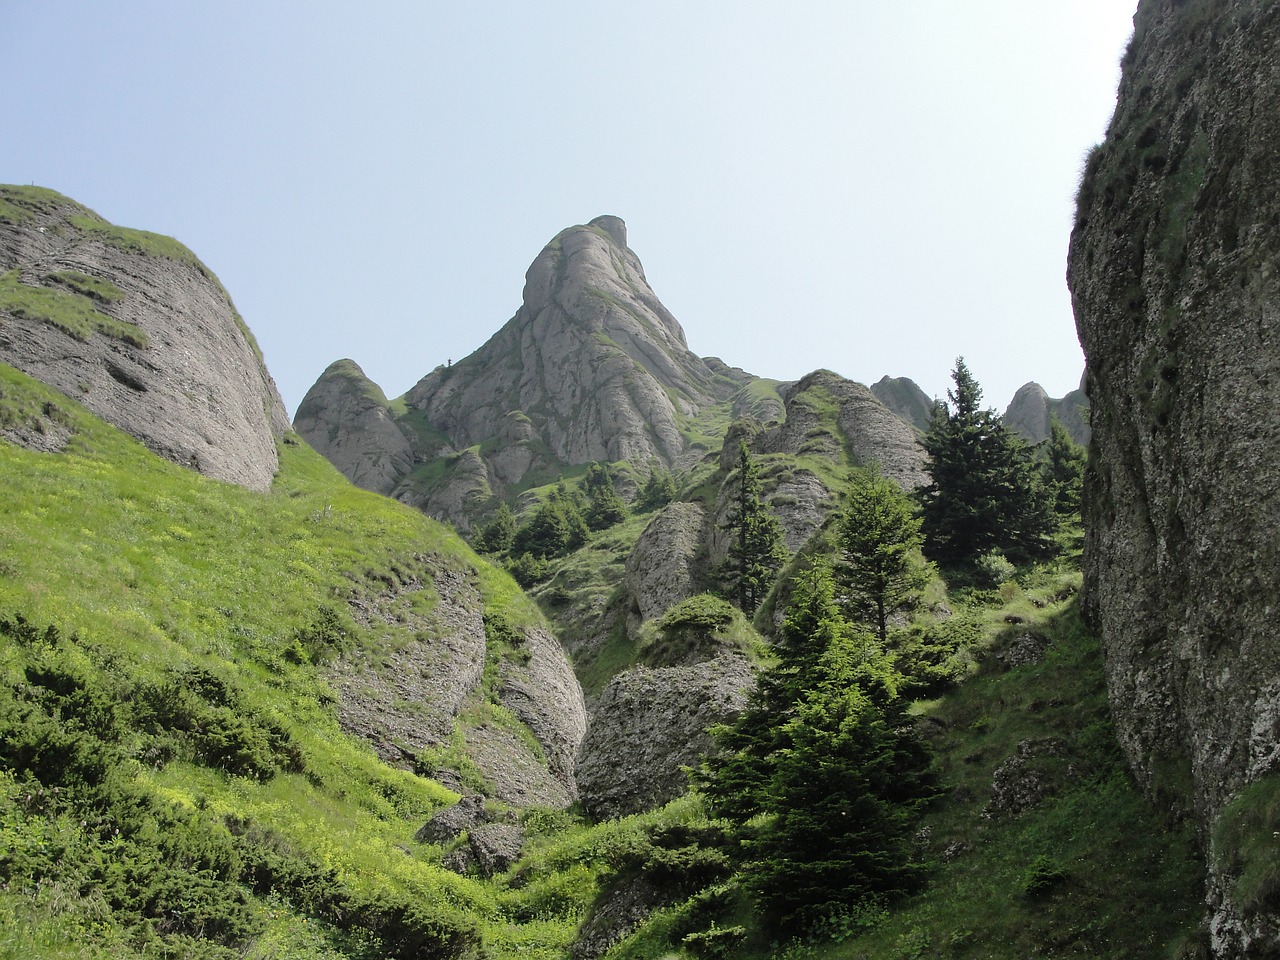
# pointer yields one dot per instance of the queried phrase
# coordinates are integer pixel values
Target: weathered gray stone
(661, 570)
(591, 368)
(197, 393)
(647, 724)
(449, 823)
(1030, 411)
(1172, 269)
(345, 417)
(408, 697)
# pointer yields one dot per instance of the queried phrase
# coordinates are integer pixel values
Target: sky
(873, 188)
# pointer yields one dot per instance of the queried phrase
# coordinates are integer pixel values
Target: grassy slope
(155, 577)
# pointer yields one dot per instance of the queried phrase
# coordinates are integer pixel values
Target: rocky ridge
(591, 368)
(1173, 278)
(133, 326)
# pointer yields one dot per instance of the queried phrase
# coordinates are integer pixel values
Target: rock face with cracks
(1173, 273)
(591, 368)
(137, 329)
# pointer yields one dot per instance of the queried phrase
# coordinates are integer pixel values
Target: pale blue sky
(874, 188)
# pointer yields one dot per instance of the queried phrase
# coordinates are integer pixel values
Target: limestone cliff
(1031, 410)
(1173, 273)
(137, 329)
(591, 368)
(904, 397)
(345, 417)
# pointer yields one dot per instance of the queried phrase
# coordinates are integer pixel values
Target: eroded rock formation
(1173, 272)
(591, 368)
(137, 329)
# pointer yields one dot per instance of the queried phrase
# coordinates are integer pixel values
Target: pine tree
(604, 506)
(879, 540)
(757, 550)
(985, 493)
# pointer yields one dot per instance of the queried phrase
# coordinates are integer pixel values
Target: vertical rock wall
(1174, 270)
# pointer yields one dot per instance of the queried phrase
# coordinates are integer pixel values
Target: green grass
(72, 313)
(141, 242)
(19, 204)
(150, 572)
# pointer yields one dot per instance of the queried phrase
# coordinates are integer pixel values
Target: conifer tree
(757, 550)
(659, 489)
(1063, 470)
(985, 493)
(825, 753)
(497, 535)
(604, 506)
(879, 540)
(556, 528)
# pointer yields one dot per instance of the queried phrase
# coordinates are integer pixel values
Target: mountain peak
(592, 367)
(615, 227)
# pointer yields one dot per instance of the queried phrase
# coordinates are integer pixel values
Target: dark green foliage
(604, 506)
(1063, 470)
(879, 540)
(177, 880)
(499, 533)
(1042, 877)
(556, 528)
(757, 551)
(527, 569)
(659, 489)
(846, 797)
(197, 715)
(985, 492)
(322, 640)
(824, 751)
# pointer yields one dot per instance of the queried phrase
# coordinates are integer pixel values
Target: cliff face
(133, 326)
(1030, 411)
(591, 368)
(1173, 272)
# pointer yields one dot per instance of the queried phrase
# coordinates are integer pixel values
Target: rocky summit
(137, 329)
(1173, 275)
(592, 367)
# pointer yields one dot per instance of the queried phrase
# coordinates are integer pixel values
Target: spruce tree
(1063, 471)
(757, 551)
(985, 493)
(878, 537)
(824, 751)
(659, 489)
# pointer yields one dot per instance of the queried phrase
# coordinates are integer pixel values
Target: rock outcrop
(662, 568)
(1032, 409)
(345, 417)
(828, 417)
(407, 697)
(1173, 273)
(905, 399)
(648, 724)
(591, 368)
(137, 329)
